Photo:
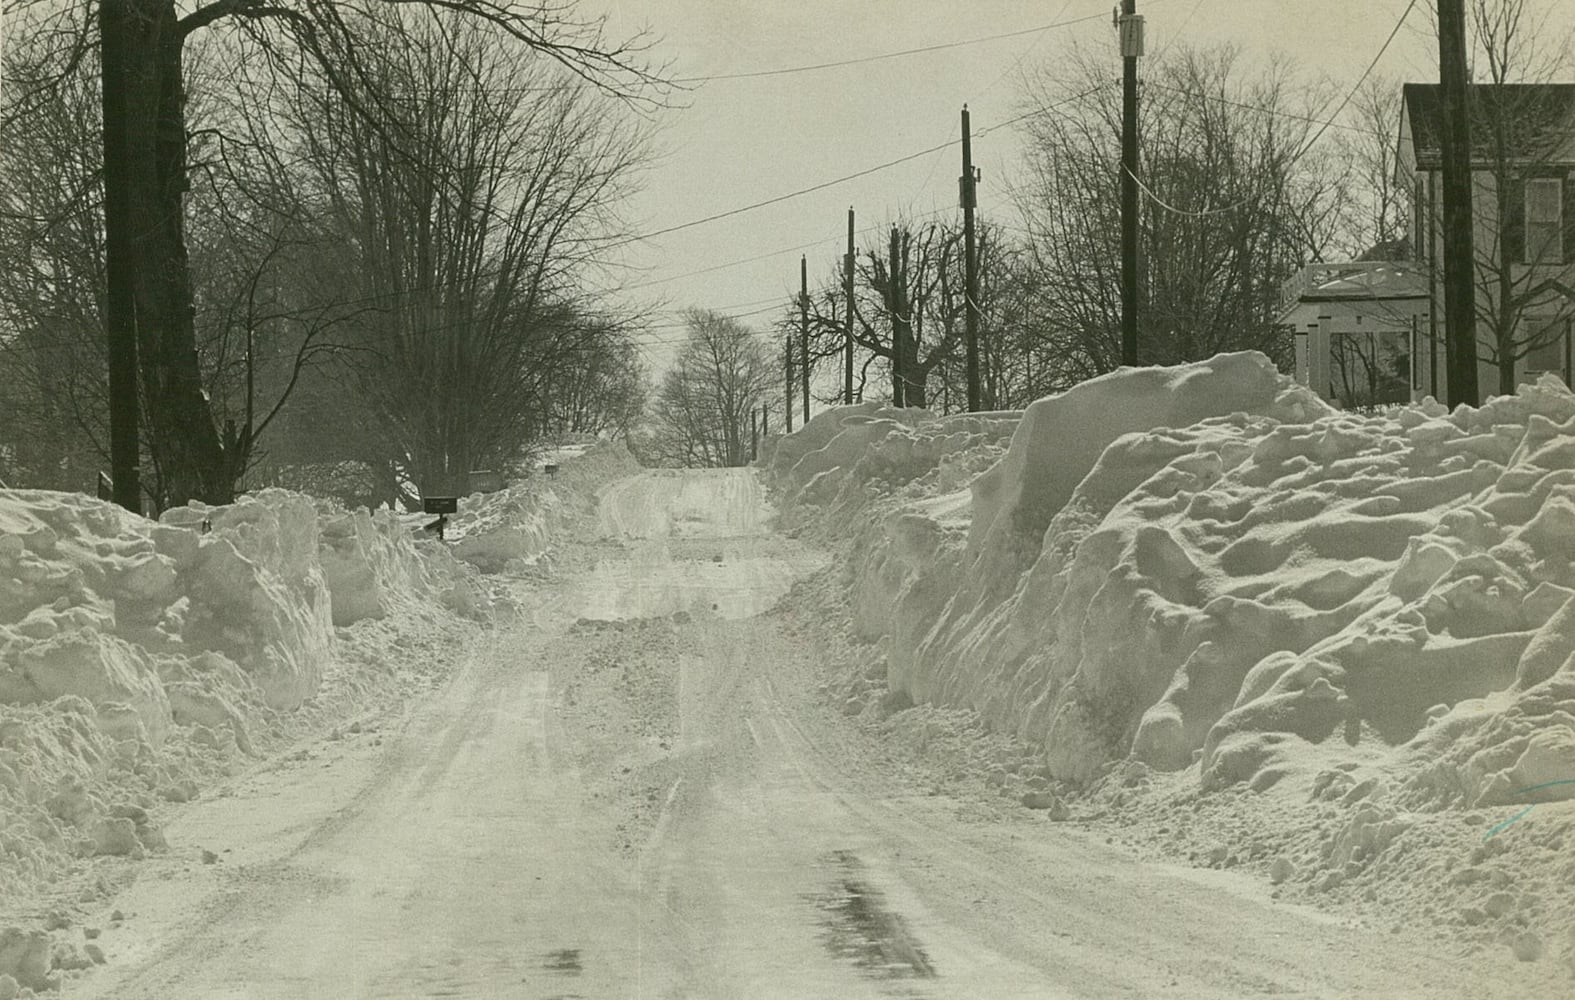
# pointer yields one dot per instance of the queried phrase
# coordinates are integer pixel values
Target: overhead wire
(1351, 94)
(804, 68)
(1305, 148)
(919, 50)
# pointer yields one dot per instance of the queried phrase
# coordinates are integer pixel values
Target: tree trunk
(181, 430)
(1506, 363)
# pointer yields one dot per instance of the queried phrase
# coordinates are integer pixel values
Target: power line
(1271, 112)
(1192, 214)
(853, 176)
(785, 197)
(1306, 147)
(1361, 79)
(1179, 29)
(940, 46)
(774, 253)
(787, 70)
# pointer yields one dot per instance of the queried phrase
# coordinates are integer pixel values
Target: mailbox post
(442, 507)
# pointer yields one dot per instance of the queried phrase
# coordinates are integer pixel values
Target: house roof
(1539, 119)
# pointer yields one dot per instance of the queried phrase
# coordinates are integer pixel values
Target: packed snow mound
(513, 527)
(148, 620)
(136, 654)
(1062, 437)
(372, 563)
(844, 454)
(115, 629)
(1207, 563)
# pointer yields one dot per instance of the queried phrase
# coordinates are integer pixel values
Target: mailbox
(440, 505)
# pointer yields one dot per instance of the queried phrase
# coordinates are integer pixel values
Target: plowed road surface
(612, 801)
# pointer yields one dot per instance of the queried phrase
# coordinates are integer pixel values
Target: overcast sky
(740, 141)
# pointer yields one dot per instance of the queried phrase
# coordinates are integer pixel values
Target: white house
(1523, 201)
(1369, 333)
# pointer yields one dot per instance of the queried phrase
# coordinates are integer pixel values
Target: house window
(1548, 350)
(1544, 220)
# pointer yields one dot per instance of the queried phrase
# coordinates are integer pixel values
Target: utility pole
(968, 194)
(1460, 308)
(803, 331)
(899, 374)
(120, 303)
(847, 338)
(765, 420)
(1130, 26)
(754, 433)
(787, 374)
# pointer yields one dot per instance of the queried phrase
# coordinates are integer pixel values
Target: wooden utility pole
(803, 331)
(787, 374)
(754, 433)
(847, 338)
(1460, 307)
(1130, 26)
(120, 302)
(968, 195)
(765, 420)
(899, 394)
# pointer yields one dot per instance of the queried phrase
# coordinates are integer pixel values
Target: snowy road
(605, 803)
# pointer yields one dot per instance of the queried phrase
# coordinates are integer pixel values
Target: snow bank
(116, 632)
(513, 527)
(844, 456)
(1206, 563)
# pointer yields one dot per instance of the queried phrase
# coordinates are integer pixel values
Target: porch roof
(1387, 293)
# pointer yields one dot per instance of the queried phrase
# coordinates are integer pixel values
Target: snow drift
(117, 631)
(512, 528)
(1208, 564)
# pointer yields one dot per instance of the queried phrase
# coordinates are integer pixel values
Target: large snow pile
(513, 527)
(137, 656)
(844, 457)
(1207, 563)
(114, 628)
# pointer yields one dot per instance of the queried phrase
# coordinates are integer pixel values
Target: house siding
(1490, 228)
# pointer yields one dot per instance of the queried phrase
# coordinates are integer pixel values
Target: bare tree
(704, 405)
(144, 45)
(601, 390)
(908, 313)
(472, 192)
(1379, 206)
(53, 426)
(260, 306)
(1235, 200)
